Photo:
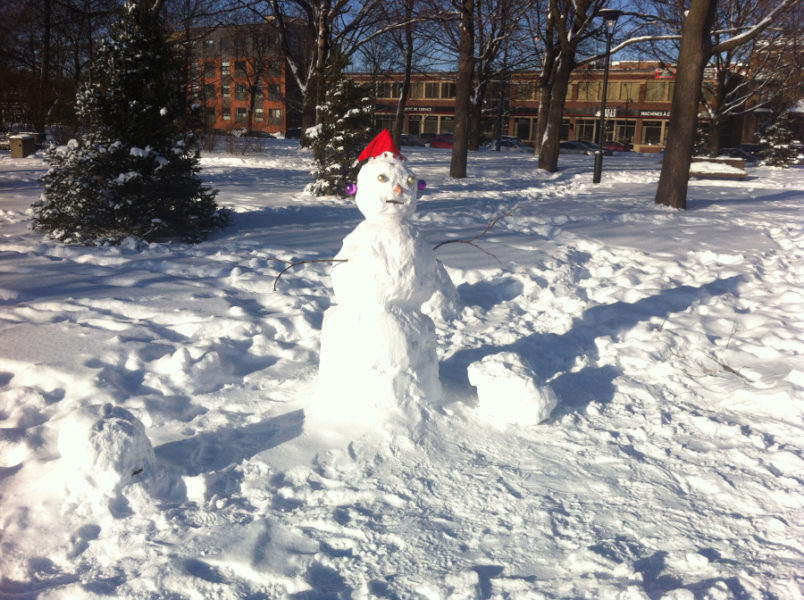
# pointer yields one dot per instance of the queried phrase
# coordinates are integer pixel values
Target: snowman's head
(385, 185)
(386, 188)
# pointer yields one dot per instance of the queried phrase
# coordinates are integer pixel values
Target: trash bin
(22, 145)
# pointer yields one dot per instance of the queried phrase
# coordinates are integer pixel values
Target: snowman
(378, 360)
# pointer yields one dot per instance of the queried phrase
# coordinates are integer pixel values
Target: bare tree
(463, 90)
(567, 26)
(756, 75)
(697, 47)
(321, 36)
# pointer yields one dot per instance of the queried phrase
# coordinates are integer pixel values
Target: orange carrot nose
(397, 189)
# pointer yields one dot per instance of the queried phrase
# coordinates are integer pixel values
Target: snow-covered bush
(343, 129)
(777, 149)
(135, 171)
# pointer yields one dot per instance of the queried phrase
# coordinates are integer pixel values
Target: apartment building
(240, 79)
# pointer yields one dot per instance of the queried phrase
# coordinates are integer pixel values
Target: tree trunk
(463, 91)
(399, 118)
(713, 137)
(696, 48)
(476, 119)
(551, 139)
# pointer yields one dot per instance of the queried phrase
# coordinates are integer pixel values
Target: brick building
(637, 106)
(240, 79)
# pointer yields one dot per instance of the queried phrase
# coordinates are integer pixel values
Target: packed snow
(623, 389)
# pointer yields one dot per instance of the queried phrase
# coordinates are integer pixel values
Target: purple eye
(422, 184)
(351, 189)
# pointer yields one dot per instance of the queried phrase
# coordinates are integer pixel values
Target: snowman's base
(376, 367)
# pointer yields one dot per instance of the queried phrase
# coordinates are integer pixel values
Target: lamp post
(610, 16)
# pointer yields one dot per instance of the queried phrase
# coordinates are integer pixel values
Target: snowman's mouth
(394, 202)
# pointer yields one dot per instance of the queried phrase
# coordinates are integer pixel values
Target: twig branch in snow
(304, 262)
(471, 241)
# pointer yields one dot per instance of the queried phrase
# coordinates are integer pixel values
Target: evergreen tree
(135, 171)
(343, 130)
(777, 149)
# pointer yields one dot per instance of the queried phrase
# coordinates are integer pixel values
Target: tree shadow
(709, 201)
(549, 354)
(211, 451)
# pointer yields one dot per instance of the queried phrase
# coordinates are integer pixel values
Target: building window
(209, 115)
(274, 68)
(241, 92)
(209, 69)
(209, 91)
(275, 116)
(625, 90)
(225, 45)
(384, 89)
(652, 132)
(226, 90)
(658, 91)
(240, 69)
(430, 124)
(523, 127)
(447, 90)
(447, 124)
(432, 89)
(258, 93)
(209, 46)
(226, 113)
(389, 89)
(259, 114)
(624, 131)
(417, 90)
(240, 115)
(588, 91)
(566, 127)
(274, 92)
(585, 129)
(225, 69)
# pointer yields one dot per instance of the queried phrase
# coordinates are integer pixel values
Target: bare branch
(471, 241)
(305, 262)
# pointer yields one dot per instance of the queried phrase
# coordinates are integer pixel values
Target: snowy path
(672, 467)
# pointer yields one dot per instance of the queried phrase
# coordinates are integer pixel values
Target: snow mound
(107, 446)
(509, 392)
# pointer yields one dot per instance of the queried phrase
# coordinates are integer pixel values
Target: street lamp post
(610, 16)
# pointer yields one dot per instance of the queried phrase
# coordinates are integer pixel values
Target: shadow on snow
(550, 354)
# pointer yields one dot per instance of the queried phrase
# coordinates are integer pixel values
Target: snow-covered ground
(152, 420)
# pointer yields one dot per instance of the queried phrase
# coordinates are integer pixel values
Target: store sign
(611, 112)
(664, 114)
(419, 109)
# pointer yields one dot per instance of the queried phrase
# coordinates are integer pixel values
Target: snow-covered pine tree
(135, 170)
(343, 130)
(776, 140)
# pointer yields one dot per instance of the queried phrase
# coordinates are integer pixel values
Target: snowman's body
(378, 357)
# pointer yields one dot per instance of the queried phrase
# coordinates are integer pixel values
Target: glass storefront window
(447, 124)
(430, 124)
(652, 132)
(585, 129)
(565, 130)
(624, 131)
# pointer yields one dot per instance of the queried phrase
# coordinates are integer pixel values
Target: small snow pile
(107, 448)
(509, 391)
(715, 168)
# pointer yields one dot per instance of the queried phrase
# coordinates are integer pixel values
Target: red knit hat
(381, 145)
